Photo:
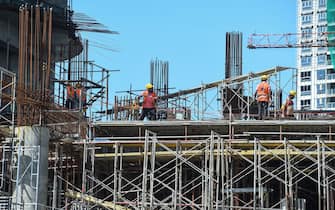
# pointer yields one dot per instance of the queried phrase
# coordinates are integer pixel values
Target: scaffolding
(20, 172)
(231, 165)
(7, 97)
(231, 98)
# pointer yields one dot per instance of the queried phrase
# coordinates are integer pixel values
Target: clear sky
(190, 34)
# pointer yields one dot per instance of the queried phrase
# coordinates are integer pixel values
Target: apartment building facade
(316, 75)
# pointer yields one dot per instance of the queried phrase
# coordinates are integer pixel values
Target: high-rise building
(316, 75)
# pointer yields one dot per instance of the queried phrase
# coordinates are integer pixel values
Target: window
(305, 90)
(322, 3)
(331, 74)
(305, 76)
(331, 91)
(320, 103)
(321, 89)
(331, 102)
(306, 4)
(322, 59)
(321, 74)
(306, 60)
(323, 43)
(322, 29)
(305, 19)
(322, 16)
(329, 60)
(305, 104)
(322, 49)
(306, 33)
(331, 88)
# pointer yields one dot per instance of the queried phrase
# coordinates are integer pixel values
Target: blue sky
(190, 34)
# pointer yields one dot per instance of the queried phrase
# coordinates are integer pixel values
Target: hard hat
(264, 77)
(149, 86)
(292, 93)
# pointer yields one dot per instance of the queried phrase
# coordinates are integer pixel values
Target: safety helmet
(264, 77)
(149, 86)
(292, 93)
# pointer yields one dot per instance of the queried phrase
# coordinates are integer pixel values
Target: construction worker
(149, 103)
(70, 95)
(80, 96)
(263, 97)
(135, 109)
(287, 108)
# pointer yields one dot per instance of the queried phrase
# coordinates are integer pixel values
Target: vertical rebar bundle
(233, 54)
(233, 69)
(159, 77)
(35, 60)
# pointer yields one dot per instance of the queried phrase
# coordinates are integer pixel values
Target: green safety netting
(331, 29)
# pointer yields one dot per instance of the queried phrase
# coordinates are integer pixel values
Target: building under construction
(206, 151)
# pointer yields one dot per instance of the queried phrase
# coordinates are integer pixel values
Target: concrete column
(32, 168)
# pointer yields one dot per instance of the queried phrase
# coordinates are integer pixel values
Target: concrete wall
(31, 190)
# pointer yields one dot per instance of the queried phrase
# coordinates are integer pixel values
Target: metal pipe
(55, 183)
(115, 194)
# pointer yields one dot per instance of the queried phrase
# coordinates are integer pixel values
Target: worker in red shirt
(287, 108)
(149, 103)
(263, 97)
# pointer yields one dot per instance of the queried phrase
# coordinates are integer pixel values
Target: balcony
(306, 93)
(330, 76)
(306, 107)
(305, 79)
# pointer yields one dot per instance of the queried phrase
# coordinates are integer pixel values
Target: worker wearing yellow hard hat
(292, 93)
(263, 97)
(264, 77)
(149, 103)
(287, 108)
(149, 86)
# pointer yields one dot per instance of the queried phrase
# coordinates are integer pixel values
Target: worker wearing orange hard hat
(149, 103)
(287, 107)
(263, 97)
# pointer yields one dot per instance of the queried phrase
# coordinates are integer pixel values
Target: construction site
(67, 142)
